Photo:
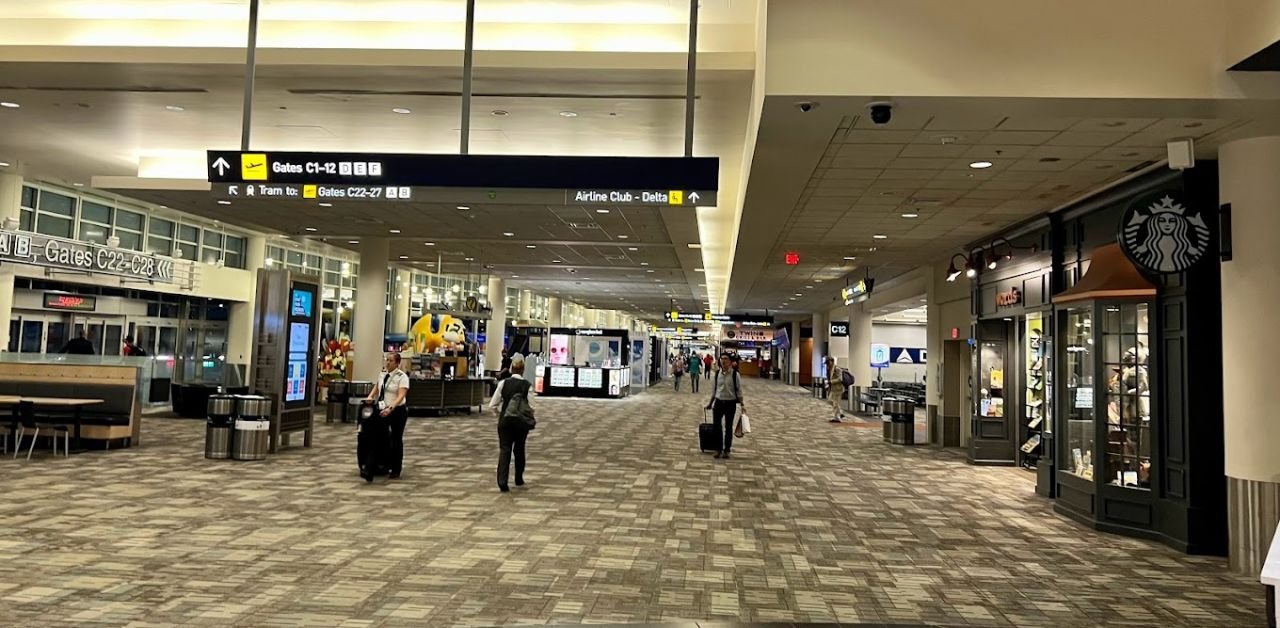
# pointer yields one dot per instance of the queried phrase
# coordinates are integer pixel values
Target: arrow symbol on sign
(693, 197)
(221, 166)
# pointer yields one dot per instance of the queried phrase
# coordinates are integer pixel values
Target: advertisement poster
(302, 301)
(561, 377)
(597, 351)
(296, 380)
(879, 355)
(614, 378)
(559, 350)
(590, 378)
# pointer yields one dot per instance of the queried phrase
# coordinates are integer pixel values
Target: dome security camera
(881, 112)
(805, 106)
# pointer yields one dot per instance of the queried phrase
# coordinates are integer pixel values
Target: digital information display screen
(562, 376)
(590, 378)
(299, 340)
(301, 303)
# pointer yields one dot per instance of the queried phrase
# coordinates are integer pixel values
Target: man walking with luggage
(726, 396)
(835, 389)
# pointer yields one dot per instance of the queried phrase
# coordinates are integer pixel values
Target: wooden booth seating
(116, 420)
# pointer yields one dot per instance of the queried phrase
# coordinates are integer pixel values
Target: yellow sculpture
(435, 331)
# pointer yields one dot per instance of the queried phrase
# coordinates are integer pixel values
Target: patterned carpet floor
(623, 521)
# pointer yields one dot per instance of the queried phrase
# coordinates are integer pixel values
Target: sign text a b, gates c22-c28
(66, 254)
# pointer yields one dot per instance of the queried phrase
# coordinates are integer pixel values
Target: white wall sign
(62, 253)
(879, 355)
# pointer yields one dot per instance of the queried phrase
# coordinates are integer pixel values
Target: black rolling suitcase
(373, 438)
(708, 435)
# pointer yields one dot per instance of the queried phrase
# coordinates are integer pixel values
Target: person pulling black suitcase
(708, 437)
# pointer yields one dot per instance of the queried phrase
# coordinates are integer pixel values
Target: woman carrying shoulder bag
(513, 427)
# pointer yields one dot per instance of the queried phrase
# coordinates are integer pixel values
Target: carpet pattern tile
(623, 522)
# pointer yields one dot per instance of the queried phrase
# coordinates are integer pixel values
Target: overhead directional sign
(658, 181)
(471, 196)
(66, 254)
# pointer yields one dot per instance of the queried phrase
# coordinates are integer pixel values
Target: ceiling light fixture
(849, 258)
(9, 105)
(463, 208)
(326, 204)
(530, 246)
(395, 231)
(880, 236)
(695, 246)
(404, 257)
(311, 228)
(910, 215)
(568, 114)
(224, 202)
(602, 211)
(981, 165)
(401, 110)
(353, 242)
(556, 261)
(174, 108)
(428, 244)
(501, 113)
(469, 259)
(508, 234)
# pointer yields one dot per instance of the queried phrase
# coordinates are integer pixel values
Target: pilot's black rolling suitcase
(373, 438)
(708, 435)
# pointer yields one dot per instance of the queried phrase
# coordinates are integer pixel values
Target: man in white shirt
(511, 436)
(390, 391)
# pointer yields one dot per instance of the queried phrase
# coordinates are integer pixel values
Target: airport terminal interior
(696, 313)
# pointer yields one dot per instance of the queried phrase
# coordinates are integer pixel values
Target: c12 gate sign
(66, 254)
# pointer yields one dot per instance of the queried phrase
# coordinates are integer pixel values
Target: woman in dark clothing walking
(511, 434)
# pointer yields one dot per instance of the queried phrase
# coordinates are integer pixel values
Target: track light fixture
(965, 267)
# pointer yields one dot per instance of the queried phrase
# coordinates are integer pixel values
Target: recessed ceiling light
(9, 105)
(4, 164)
(699, 270)
(808, 287)
(326, 204)
(404, 257)
(695, 246)
(799, 295)
(849, 258)
(880, 236)
(1114, 124)
(311, 228)
(79, 185)
(556, 261)
(623, 237)
(644, 263)
(463, 208)
(508, 234)
(979, 165)
(568, 114)
(224, 202)
(470, 259)
(602, 211)
(353, 242)
(649, 271)
(428, 243)
(910, 215)
(530, 246)
(174, 108)
(500, 113)
(401, 110)
(395, 231)
(515, 276)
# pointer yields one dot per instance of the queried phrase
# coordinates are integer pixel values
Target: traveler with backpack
(513, 400)
(726, 396)
(838, 380)
(677, 369)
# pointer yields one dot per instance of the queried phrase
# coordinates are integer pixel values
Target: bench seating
(115, 419)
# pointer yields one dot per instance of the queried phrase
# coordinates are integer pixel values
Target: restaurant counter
(583, 381)
(448, 394)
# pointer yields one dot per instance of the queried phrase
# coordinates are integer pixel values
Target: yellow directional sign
(308, 191)
(675, 197)
(253, 167)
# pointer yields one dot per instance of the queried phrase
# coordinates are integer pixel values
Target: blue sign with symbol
(879, 355)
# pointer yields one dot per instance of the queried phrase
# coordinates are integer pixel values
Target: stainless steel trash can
(335, 411)
(251, 439)
(902, 415)
(217, 439)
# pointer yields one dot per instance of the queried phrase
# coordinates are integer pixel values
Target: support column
(821, 329)
(1250, 301)
(240, 317)
(10, 207)
(555, 312)
(525, 310)
(589, 318)
(370, 309)
(497, 328)
(860, 349)
(933, 350)
(793, 356)
(400, 302)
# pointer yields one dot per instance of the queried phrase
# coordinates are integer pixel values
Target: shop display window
(991, 395)
(1039, 386)
(1126, 352)
(1079, 402)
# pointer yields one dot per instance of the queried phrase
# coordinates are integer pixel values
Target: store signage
(908, 355)
(1162, 234)
(589, 332)
(682, 181)
(65, 254)
(749, 335)
(858, 292)
(839, 330)
(72, 302)
(1009, 298)
(879, 355)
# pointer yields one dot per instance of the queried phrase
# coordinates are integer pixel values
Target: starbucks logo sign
(1162, 235)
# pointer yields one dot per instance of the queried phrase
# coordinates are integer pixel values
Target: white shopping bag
(743, 426)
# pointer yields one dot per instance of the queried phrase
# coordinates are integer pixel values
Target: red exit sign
(792, 258)
(73, 302)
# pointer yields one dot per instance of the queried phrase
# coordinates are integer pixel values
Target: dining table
(20, 402)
